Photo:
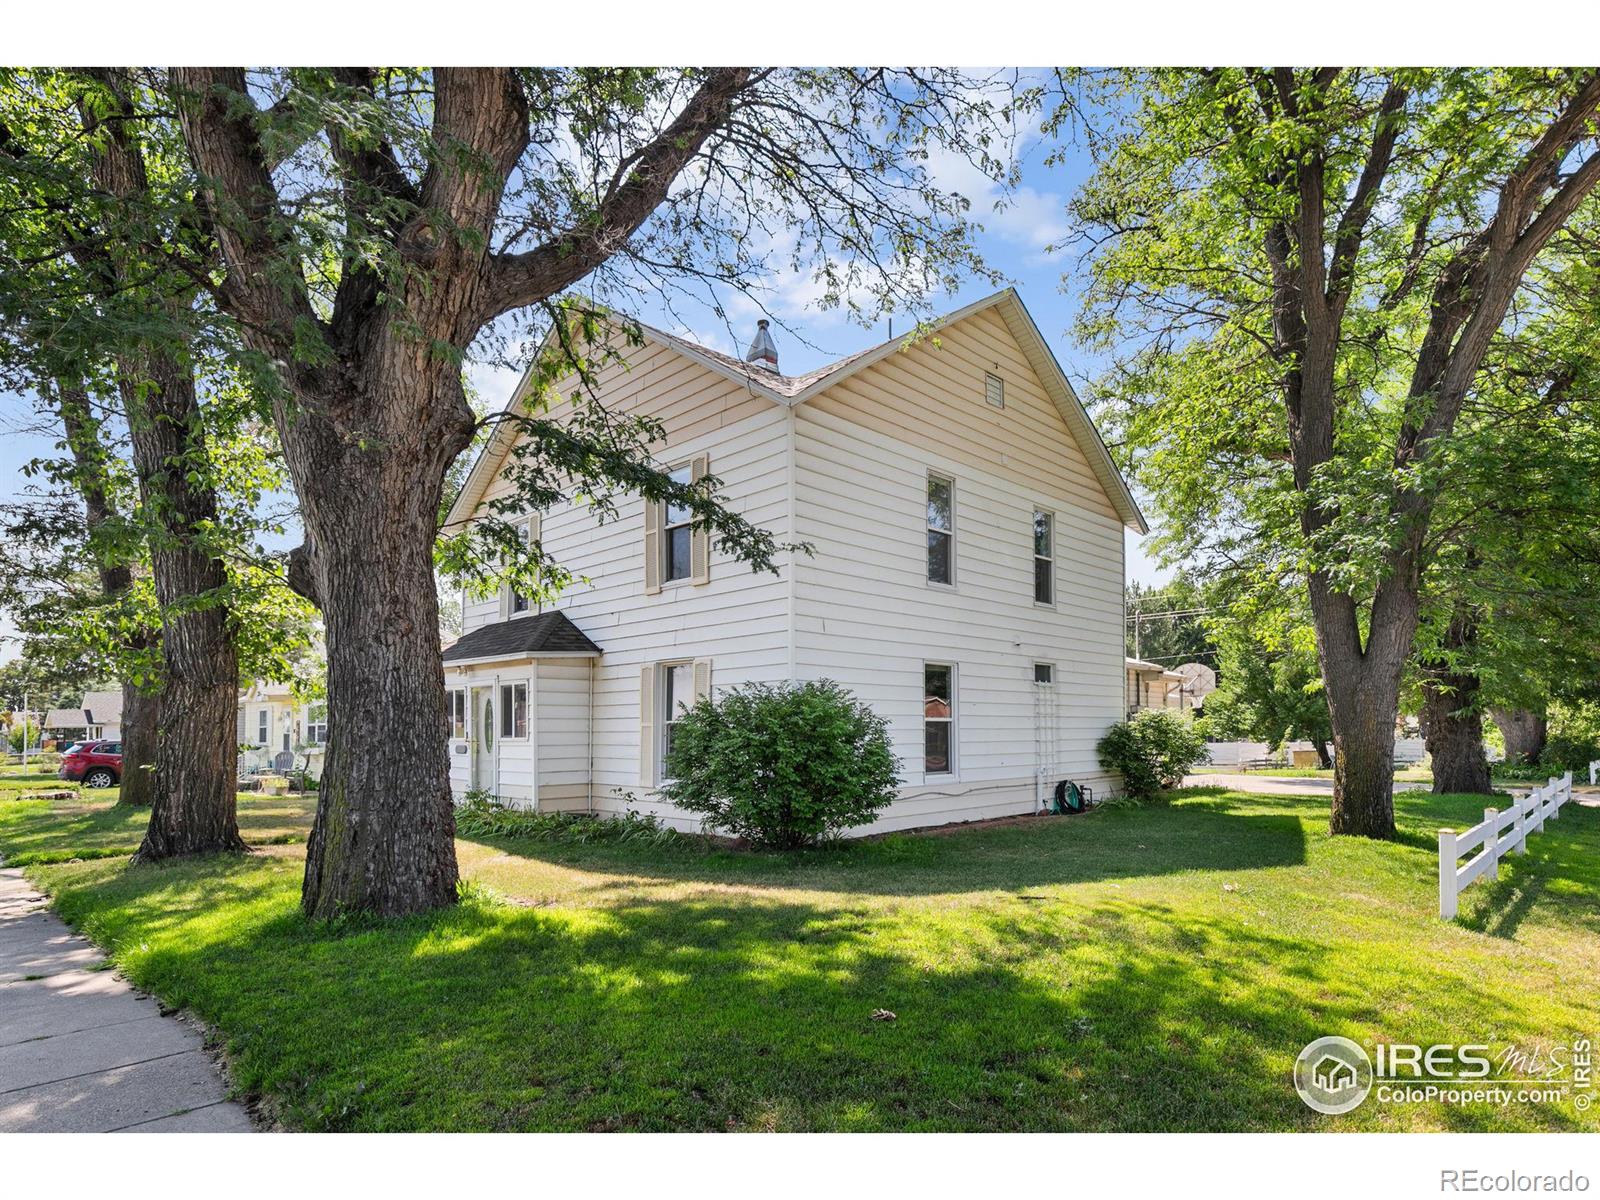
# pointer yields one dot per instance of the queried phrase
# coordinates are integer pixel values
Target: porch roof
(544, 634)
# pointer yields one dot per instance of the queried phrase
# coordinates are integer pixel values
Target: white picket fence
(1499, 833)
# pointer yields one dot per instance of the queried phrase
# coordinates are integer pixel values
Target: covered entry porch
(520, 712)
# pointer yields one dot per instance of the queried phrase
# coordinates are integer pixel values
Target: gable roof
(539, 636)
(793, 390)
(105, 708)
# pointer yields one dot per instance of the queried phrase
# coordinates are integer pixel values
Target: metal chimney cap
(763, 351)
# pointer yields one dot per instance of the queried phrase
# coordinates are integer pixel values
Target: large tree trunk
(140, 712)
(194, 802)
(1525, 734)
(1363, 698)
(1452, 722)
(384, 838)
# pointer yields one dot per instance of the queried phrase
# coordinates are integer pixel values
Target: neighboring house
(1150, 685)
(272, 722)
(99, 717)
(967, 577)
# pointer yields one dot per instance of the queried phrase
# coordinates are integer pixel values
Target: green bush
(1574, 740)
(1153, 751)
(782, 765)
(481, 814)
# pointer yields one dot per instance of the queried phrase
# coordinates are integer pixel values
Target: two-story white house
(967, 576)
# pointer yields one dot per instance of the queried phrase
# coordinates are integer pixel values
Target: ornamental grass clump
(782, 765)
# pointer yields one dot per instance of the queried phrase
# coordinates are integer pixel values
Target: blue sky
(1014, 241)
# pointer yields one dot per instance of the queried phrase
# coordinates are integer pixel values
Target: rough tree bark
(140, 709)
(194, 805)
(1313, 276)
(369, 433)
(1452, 722)
(1525, 733)
(194, 801)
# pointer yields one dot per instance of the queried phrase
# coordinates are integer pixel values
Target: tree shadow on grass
(715, 1015)
(1558, 878)
(757, 1011)
(1032, 854)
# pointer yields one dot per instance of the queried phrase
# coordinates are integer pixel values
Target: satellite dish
(1199, 680)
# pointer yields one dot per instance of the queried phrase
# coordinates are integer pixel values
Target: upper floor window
(994, 390)
(1044, 558)
(519, 603)
(941, 529)
(676, 531)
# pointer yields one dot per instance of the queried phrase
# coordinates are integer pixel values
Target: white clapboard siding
(846, 471)
(866, 615)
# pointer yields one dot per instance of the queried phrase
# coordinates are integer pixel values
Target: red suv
(98, 764)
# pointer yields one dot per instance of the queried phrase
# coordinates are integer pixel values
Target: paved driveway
(81, 1050)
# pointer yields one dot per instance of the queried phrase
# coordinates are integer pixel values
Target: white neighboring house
(272, 722)
(1150, 685)
(967, 580)
(99, 717)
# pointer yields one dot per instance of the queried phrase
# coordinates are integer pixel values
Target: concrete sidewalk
(81, 1050)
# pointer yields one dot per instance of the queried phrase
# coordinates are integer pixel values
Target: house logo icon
(1333, 1075)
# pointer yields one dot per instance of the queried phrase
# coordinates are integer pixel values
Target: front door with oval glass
(483, 735)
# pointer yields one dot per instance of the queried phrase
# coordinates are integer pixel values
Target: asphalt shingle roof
(543, 633)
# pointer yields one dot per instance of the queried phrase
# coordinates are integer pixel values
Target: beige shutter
(655, 516)
(535, 521)
(699, 538)
(702, 679)
(647, 725)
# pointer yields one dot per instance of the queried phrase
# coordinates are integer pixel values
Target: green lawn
(1137, 970)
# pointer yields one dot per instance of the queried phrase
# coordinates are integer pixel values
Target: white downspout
(590, 788)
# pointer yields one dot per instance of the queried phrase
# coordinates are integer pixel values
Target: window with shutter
(647, 725)
(699, 538)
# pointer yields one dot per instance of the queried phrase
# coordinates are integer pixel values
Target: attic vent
(994, 390)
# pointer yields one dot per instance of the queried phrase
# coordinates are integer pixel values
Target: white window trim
(1055, 588)
(662, 716)
(505, 711)
(927, 529)
(954, 773)
(263, 727)
(507, 592)
(465, 692)
(1034, 672)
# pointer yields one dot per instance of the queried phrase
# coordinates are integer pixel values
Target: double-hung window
(513, 710)
(677, 528)
(941, 530)
(1044, 558)
(519, 603)
(938, 718)
(677, 694)
(262, 717)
